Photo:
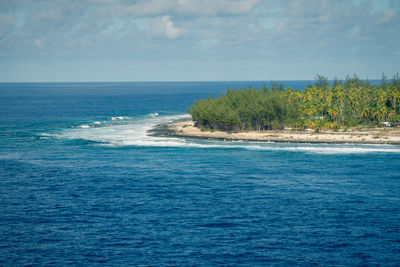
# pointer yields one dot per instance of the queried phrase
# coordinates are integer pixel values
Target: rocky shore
(186, 128)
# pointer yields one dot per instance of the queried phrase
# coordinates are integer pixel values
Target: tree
(320, 106)
(321, 81)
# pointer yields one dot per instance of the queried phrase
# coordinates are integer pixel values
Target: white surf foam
(132, 133)
(329, 148)
(135, 132)
(120, 118)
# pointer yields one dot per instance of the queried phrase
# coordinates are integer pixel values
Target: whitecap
(120, 118)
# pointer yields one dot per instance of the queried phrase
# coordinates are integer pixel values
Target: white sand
(367, 136)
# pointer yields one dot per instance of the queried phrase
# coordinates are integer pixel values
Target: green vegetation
(353, 102)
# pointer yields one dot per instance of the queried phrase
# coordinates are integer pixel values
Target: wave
(120, 118)
(333, 148)
(123, 131)
(111, 121)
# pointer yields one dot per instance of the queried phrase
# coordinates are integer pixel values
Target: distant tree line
(346, 103)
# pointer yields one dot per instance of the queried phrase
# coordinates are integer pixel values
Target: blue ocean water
(83, 183)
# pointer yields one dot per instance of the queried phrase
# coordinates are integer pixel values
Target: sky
(197, 40)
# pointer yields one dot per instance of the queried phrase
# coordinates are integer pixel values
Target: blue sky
(197, 40)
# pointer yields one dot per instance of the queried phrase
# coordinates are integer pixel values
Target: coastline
(186, 128)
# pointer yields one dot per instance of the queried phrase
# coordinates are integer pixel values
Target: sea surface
(83, 183)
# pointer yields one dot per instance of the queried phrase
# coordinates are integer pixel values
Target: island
(353, 111)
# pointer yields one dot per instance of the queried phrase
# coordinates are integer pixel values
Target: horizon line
(187, 81)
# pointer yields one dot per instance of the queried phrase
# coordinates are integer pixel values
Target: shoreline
(185, 128)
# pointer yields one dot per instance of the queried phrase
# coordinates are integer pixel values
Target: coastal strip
(186, 128)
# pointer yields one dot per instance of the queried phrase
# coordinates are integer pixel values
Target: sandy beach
(365, 136)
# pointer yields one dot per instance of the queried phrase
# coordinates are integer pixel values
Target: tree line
(323, 105)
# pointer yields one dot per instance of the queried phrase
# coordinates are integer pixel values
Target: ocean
(82, 182)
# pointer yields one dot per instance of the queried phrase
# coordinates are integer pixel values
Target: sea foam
(135, 132)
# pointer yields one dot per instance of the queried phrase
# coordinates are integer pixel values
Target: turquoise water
(82, 182)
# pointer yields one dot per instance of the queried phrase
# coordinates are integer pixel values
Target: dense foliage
(350, 103)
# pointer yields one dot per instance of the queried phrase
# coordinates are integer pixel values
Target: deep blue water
(82, 183)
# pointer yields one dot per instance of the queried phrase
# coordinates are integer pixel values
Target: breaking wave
(122, 131)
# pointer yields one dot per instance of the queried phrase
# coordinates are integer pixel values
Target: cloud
(6, 24)
(395, 4)
(226, 30)
(186, 7)
(6, 5)
(216, 7)
(163, 27)
(103, 1)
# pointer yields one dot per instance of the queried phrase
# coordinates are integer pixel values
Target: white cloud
(186, 7)
(163, 27)
(220, 30)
